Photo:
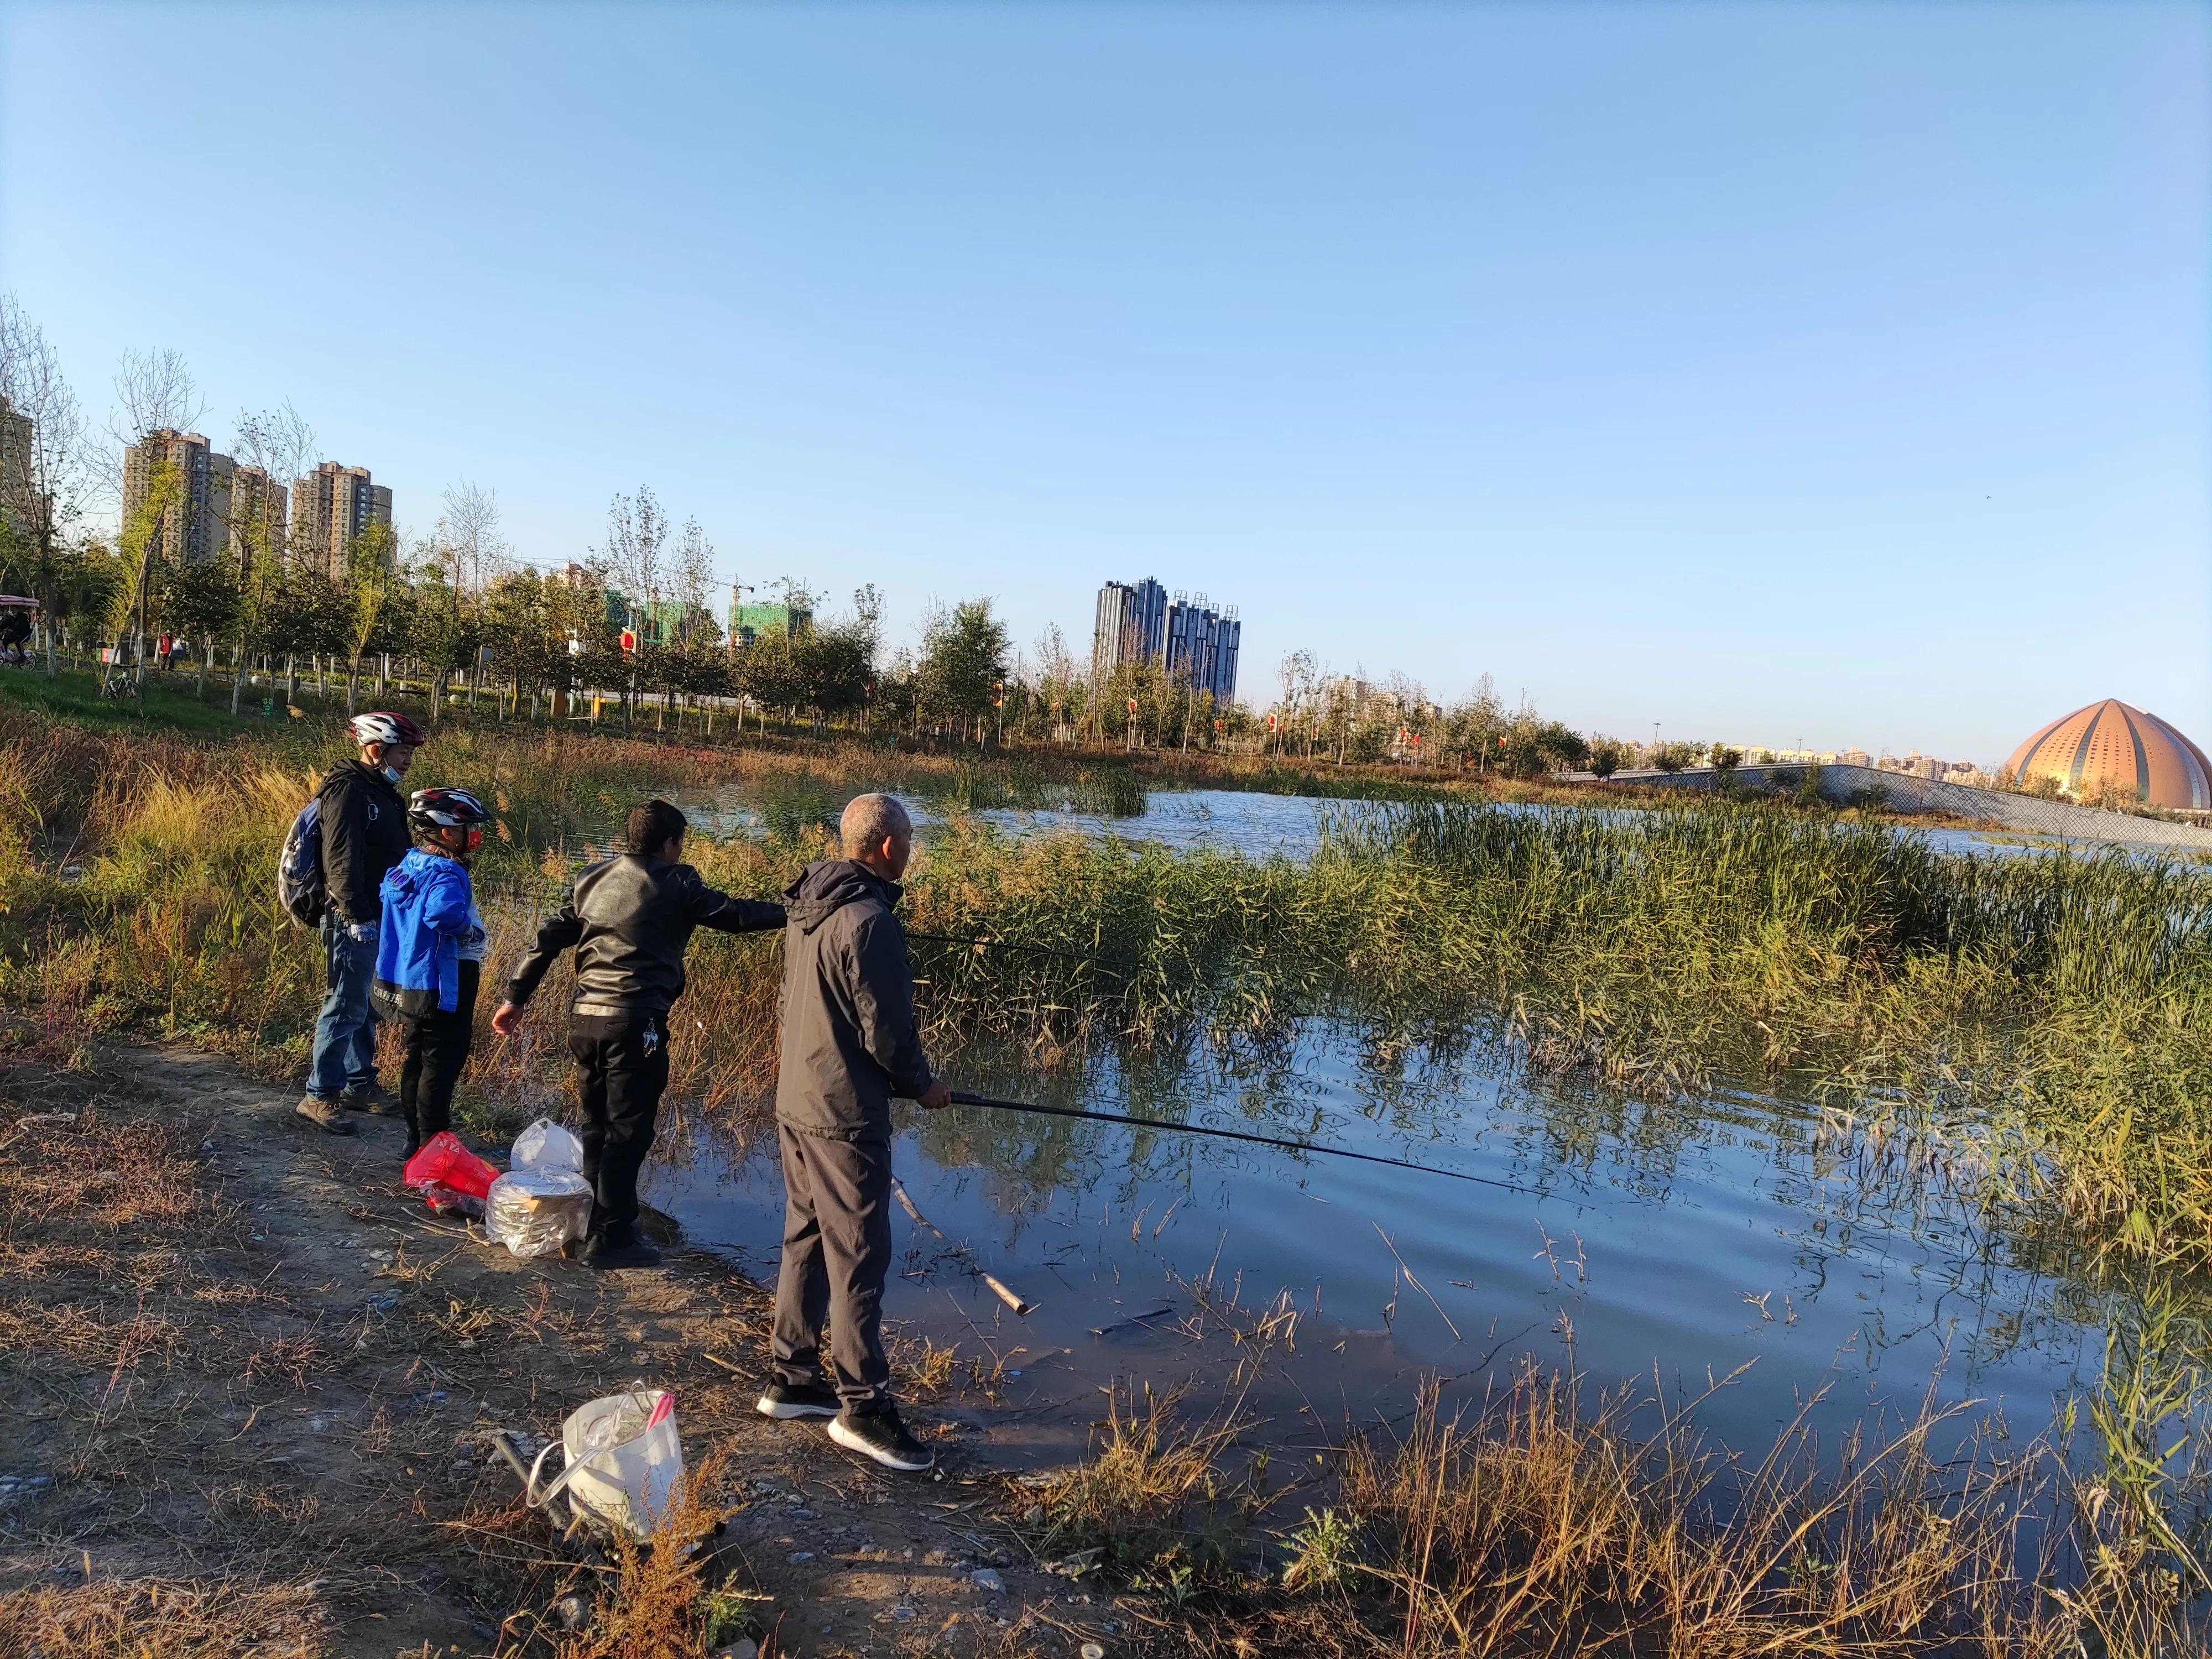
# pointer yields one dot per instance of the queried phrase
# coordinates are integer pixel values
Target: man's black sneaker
(625, 1248)
(880, 1435)
(788, 1399)
(368, 1097)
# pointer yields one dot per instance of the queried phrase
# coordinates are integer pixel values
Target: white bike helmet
(386, 727)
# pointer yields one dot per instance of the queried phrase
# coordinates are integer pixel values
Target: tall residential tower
(1198, 646)
(331, 505)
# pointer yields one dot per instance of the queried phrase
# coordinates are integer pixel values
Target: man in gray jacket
(850, 1044)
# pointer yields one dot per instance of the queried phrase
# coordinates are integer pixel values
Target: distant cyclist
(364, 829)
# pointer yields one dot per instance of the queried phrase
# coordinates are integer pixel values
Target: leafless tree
(45, 478)
(155, 389)
(693, 574)
(469, 534)
(277, 440)
(637, 534)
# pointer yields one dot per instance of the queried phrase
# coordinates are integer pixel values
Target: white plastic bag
(546, 1148)
(535, 1213)
(624, 1462)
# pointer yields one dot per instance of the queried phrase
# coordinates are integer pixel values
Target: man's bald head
(876, 831)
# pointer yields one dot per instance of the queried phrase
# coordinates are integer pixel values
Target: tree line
(454, 616)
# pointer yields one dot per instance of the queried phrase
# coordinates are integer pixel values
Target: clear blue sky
(1771, 371)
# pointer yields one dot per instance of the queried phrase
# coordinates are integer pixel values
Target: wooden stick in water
(1010, 1298)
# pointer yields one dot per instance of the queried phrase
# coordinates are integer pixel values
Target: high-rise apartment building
(17, 434)
(247, 509)
(1136, 622)
(187, 532)
(1201, 648)
(331, 505)
(749, 622)
(224, 508)
(1131, 626)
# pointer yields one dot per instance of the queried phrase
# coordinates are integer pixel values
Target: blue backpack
(300, 886)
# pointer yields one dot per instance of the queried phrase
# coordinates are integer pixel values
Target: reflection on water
(1254, 824)
(1681, 1240)
(1691, 1238)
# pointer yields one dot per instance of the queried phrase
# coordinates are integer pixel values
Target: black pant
(622, 1067)
(434, 1047)
(836, 1252)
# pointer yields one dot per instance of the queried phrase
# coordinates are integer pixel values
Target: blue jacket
(428, 908)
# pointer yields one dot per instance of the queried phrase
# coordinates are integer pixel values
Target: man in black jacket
(629, 921)
(364, 828)
(850, 1045)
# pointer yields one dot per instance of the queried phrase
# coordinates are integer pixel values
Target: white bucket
(624, 1462)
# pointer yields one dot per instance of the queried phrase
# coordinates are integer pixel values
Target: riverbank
(255, 1384)
(254, 1381)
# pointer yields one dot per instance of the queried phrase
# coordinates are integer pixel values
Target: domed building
(2113, 749)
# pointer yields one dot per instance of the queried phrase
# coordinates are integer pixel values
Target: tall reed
(2049, 1017)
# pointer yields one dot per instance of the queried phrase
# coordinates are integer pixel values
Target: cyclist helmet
(384, 727)
(432, 809)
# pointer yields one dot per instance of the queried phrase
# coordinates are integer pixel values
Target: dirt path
(257, 1378)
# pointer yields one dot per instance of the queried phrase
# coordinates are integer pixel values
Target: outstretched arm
(712, 908)
(556, 933)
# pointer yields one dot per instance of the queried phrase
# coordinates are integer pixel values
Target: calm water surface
(1682, 1239)
(1674, 1243)
(1255, 824)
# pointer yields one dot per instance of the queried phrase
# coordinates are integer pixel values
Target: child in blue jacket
(429, 951)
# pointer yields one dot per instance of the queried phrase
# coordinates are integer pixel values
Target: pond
(1257, 825)
(1670, 1241)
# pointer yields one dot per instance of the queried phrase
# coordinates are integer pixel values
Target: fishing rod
(961, 1097)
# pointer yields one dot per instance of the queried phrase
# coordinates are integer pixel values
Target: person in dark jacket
(850, 1045)
(429, 955)
(364, 824)
(629, 921)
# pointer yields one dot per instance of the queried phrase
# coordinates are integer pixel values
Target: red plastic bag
(445, 1162)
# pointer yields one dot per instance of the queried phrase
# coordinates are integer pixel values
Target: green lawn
(167, 704)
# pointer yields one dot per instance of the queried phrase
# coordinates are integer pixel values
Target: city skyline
(1510, 341)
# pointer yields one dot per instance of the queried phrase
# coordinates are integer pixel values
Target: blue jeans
(345, 1032)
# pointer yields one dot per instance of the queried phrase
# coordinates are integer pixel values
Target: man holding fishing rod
(850, 1045)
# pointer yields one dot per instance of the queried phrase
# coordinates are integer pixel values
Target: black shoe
(620, 1248)
(880, 1435)
(789, 1399)
(797, 1401)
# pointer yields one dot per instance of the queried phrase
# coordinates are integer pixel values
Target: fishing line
(961, 1097)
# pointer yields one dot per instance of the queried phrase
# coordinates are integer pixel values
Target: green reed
(2058, 1007)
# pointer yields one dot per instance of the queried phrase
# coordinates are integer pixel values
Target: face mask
(390, 772)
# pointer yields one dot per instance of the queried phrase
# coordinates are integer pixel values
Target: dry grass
(1536, 1527)
(1155, 1501)
(658, 1603)
(166, 1619)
